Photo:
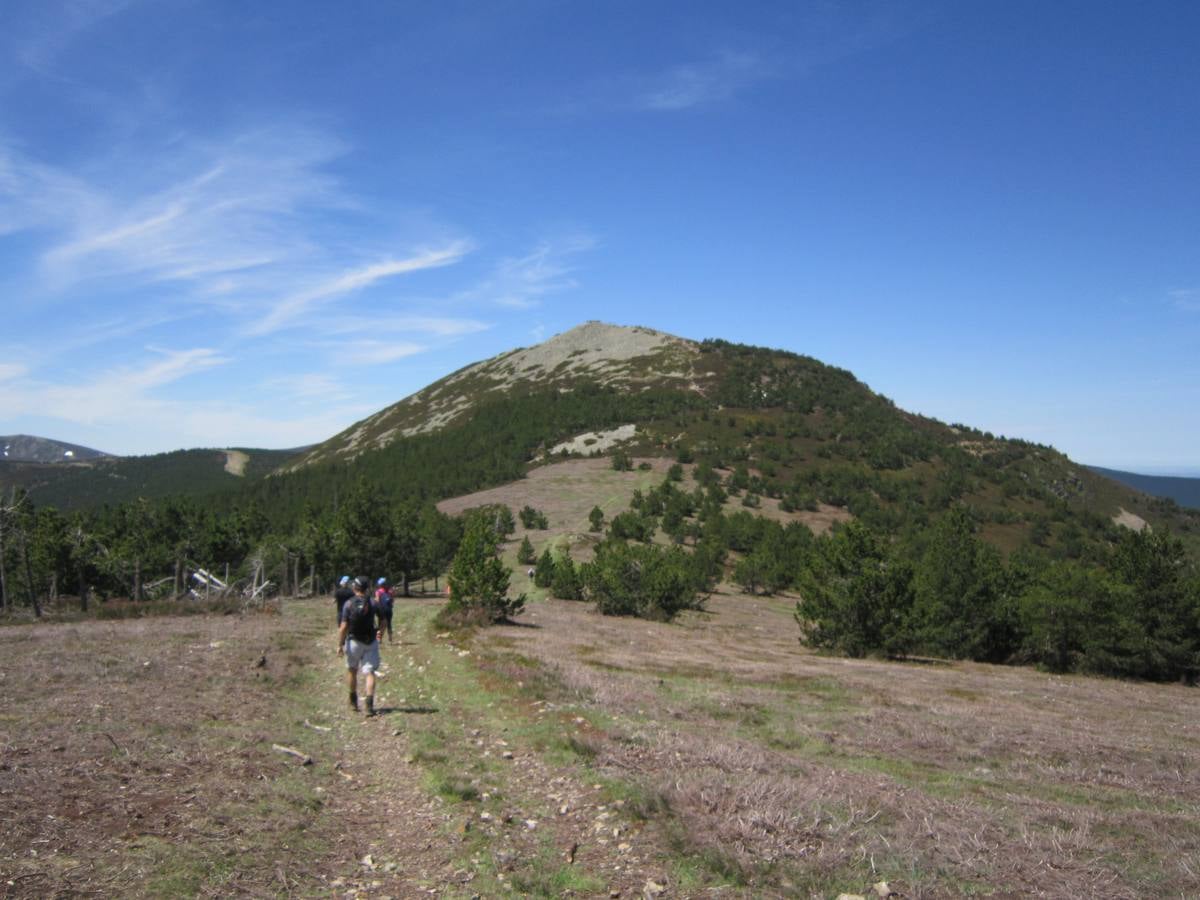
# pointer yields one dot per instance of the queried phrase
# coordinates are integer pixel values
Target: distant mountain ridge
(29, 448)
(775, 427)
(1184, 491)
(83, 483)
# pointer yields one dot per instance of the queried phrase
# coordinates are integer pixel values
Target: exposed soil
(1129, 520)
(235, 462)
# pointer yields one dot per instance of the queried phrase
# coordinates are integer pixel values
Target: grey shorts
(364, 657)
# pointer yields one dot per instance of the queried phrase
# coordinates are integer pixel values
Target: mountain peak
(595, 352)
(595, 349)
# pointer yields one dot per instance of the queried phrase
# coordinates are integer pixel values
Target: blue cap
(381, 582)
(345, 578)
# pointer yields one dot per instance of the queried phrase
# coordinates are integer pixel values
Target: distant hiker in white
(359, 634)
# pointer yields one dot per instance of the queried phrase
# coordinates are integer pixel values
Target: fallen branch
(317, 727)
(305, 759)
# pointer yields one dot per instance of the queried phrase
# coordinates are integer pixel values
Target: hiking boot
(354, 702)
(370, 707)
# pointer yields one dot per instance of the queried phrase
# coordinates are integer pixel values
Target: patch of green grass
(180, 870)
(454, 787)
(429, 748)
(704, 863)
(546, 875)
(1103, 797)
(743, 714)
(579, 748)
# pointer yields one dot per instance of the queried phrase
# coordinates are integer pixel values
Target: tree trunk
(137, 580)
(178, 587)
(312, 580)
(83, 590)
(405, 583)
(53, 587)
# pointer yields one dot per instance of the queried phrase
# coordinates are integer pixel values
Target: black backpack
(361, 619)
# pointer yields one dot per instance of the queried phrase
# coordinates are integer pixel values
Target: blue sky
(228, 223)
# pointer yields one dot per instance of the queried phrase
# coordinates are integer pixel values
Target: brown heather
(810, 774)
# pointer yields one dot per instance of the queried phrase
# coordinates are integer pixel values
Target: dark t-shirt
(383, 600)
(363, 630)
(340, 596)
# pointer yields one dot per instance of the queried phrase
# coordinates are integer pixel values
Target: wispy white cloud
(133, 408)
(1187, 299)
(35, 196)
(9, 371)
(521, 282)
(701, 83)
(432, 326)
(118, 394)
(252, 227)
(201, 212)
(375, 353)
(286, 310)
(308, 387)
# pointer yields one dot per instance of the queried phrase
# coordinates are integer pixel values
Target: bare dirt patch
(819, 521)
(235, 462)
(1126, 519)
(565, 492)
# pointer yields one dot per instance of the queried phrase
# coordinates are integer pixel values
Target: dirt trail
(524, 824)
(153, 770)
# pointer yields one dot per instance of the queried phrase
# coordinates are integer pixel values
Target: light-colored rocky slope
(596, 352)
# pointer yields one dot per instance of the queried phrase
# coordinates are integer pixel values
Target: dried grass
(942, 778)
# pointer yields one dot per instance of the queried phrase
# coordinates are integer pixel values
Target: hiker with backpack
(383, 603)
(359, 634)
(343, 593)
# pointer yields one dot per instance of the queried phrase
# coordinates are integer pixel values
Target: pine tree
(479, 580)
(566, 584)
(543, 575)
(526, 554)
